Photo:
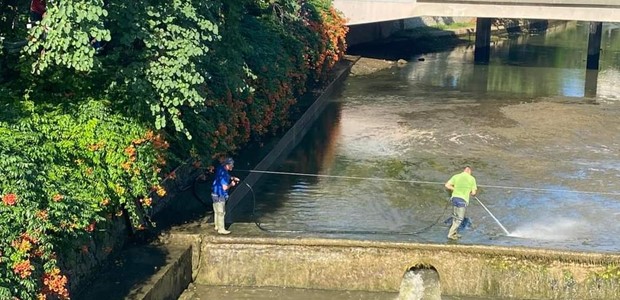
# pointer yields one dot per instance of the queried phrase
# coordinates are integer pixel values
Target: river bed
(544, 149)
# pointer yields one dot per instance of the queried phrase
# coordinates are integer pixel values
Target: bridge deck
(371, 11)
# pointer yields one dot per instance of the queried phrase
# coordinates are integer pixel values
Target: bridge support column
(482, 51)
(594, 45)
(480, 80)
(591, 84)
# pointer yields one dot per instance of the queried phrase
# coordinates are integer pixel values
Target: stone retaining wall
(481, 271)
(89, 256)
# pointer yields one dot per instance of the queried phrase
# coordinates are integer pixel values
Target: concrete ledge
(464, 270)
(170, 281)
(154, 272)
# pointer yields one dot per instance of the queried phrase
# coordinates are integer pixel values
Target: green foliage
(83, 128)
(177, 38)
(65, 35)
(64, 170)
(13, 19)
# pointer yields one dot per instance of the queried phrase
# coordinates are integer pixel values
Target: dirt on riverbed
(365, 66)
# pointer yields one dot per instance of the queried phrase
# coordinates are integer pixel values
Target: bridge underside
(599, 11)
(362, 12)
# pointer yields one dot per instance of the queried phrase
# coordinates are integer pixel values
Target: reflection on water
(539, 65)
(543, 143)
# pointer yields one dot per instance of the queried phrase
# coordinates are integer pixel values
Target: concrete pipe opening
(420, 282)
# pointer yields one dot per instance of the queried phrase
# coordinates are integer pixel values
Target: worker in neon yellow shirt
(461, 185)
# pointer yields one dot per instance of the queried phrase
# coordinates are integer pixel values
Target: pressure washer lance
(492, 216)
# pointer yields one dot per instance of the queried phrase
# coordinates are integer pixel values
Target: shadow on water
(410, 44)
(300, 161)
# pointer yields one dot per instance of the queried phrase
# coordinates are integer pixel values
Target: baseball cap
(229, 161)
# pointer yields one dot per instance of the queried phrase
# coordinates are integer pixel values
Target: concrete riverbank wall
(293, 136)
(464, 270)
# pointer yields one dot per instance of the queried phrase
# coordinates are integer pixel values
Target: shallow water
(544, 148)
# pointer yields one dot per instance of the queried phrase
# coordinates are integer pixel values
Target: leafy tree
(93, 95)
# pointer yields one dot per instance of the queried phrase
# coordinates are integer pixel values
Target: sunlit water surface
(544, 152)
(542, 135)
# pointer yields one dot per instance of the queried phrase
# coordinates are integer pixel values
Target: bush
(64, 171)
(85, 132)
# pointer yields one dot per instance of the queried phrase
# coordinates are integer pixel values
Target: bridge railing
(578, 3)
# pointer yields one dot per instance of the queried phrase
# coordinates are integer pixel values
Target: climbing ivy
(102, 98)
(64, 171)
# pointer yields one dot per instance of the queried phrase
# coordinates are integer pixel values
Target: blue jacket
(221, 178)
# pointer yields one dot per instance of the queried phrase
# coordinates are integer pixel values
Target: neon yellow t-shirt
(463, 184)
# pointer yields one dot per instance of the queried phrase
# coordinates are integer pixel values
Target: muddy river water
(543, 141)
(545, 154)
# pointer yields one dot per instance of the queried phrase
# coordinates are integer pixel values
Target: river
(542, 136)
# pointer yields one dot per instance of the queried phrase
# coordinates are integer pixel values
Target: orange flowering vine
(28, 237)
(42, 214)
(147, 201)
(22, 245)
(130, 151)
(56, 284)
(160, 191)
(149, 135)
(159, 142)
(91, 226)
(9, 199)
(38, 252)
(126, 165)
(23, 269)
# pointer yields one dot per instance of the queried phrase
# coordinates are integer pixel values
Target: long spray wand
(492, 216)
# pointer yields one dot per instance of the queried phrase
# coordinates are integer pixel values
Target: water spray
(492, 216)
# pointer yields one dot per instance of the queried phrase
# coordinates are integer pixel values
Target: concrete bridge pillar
(591, 85)
(594, 45)
(482, 50)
